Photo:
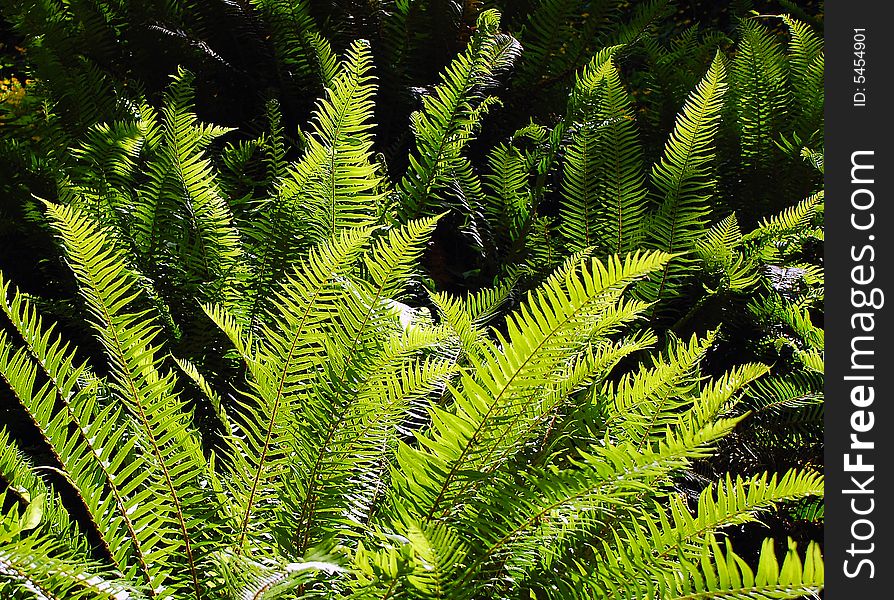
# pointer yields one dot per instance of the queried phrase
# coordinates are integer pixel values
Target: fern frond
(34, 566)
(467, 316)
(550, 505)
(358, 340)
(792, 220)
(449, 115)
(549, 28)
(643, 404)
(333, 185)
(301, 51)
(725, 575)
(180, 218)
(24, 487)
(175, 456)
(218, 247)
(717, 247)
(213, 398)
(279, 370)
(509, 197)
(90, 441)
(807, 67)
(652, 549)
(760, 93)
(603, 186)
(588, 82)
(683, 183)
(439, 554)
(715, 573)
(347, 195)
(732, 501)
(490, 408)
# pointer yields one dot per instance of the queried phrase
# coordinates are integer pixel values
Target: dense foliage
(411, 299)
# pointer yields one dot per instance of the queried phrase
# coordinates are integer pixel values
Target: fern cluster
(555, 352)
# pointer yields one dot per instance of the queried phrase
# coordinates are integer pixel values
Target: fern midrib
(151, 242)
(390, 590)
(132, 387)
(586, 174)
(619, 194)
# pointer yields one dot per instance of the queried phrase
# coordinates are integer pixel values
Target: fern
(807, 66)
(761, 93)
(175, 455)
(329, 355)
(603, 180)
(682, 180)
(301, 50)
(452, 112)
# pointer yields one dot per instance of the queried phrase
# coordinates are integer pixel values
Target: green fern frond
(551, 505)
(509, 197)
(549, 29)
(719, 242)
(450, 115)
(683, 182)
(721, 254)
(24, 487)
(490, 417)
(729, 502)
(792, 220)
(760, 93)
(333, 185)
(180, 206)
(467, 316)
(725, 575)
(359, 338)
(301, 51)
(87, 438)
(603, 185)
(439, 553)
(346, 196)
(807, 66)
(279, 370)
(643, 404)
(36, 568)
(588, 82)
(162, 421)
(715, 573)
